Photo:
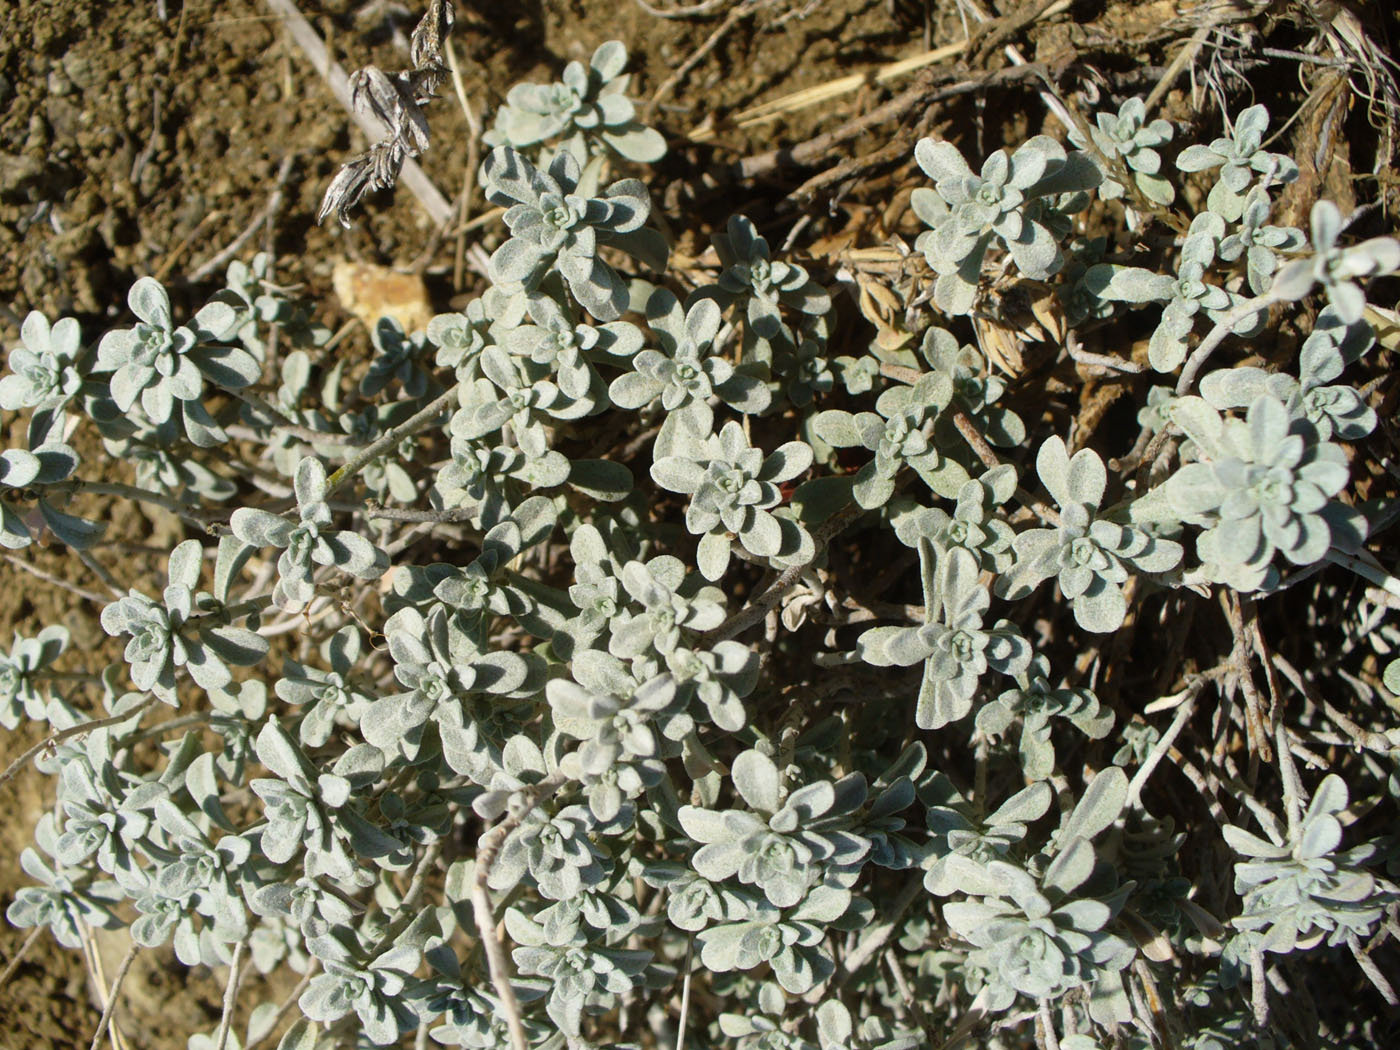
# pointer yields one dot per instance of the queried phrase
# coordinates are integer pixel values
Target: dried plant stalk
(396, 100)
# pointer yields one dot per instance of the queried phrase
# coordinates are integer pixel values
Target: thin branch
(57, 581)
(1047, 1025)
(286, 423)
(1105, 361)
(112, 993)
(374, 509)
(685, 993)
(876, 936)
(1207, 346)
(101, 572)
(187, 511)
(1360, 736)
(13, 964)
(1254, 716)
(1160, 749)
(1183, 58)
(693, 11)
(50, 742)
(419, 882)
(230, 997)
(286, 1005)
(758, 607)
(264, 214)
(414, 423)
(488, 847)
(1372, 971)
(1366, 570)
(922, 93)
(740, 10)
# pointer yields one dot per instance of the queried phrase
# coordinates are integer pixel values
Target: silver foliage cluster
(615, 481)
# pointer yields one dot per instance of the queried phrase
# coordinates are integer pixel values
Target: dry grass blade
(833, 89)
(808, 97)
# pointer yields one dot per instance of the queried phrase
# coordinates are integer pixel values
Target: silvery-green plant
(460, 337)
(968, 213)
(308, 543)
(1039, 939)
(790, 940)
(752, 279)
(67, 902)
(34, 476)
(580, 973)
(1258, 243)
(1300, 889)
(492, 478)
(397, 356)
(763, 1029)
(973, 525)
(371, 985)
(963, 842)
(44, 369)
(165, 366)
(694, 902)
(328, 698)
(976, 390)
(954, 648)
(668, 610)
(681, 378)
(1336, 267)
(1333, 409)
(107, 813)
(164, 469)
(1259, 485)
(700, 768)
(571, 350)
(313, 819)
(1241, 158)
(469, 1017)
(733, 488)
(187, 629)
(1187, 294)
(439, 664)
(23, 693)
(1042, 935)
(899, 432)
(514, 392)
(1129, 137)
(620, 724)
(809, 371)
(266, 307)
(1090, 555)
(587, 108)
(788, 840)
(204, 873)
(555, 850)
(1035, 702)
(558, 225)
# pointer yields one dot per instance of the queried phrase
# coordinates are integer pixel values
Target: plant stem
(66, 734)
(408, 427)
(230, 997)
(1207, 346)
(758, 607)
(112, 992)
(13, 964)
(488, 846)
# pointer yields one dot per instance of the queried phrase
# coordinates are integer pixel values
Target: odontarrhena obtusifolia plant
(645, 652)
